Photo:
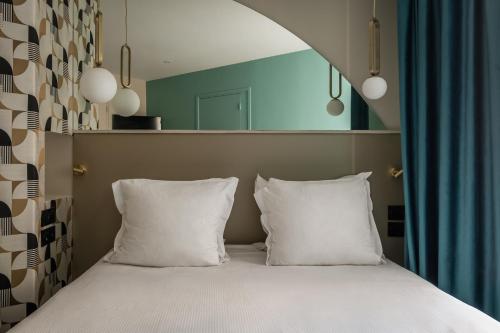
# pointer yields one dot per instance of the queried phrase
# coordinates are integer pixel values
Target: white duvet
(244, 295)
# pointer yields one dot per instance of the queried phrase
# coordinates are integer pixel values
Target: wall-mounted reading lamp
(396, 173)
(79, 170)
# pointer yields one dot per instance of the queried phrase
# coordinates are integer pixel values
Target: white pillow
(319, 222)
(260, 183)
(172, 223)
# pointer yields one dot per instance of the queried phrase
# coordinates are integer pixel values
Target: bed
(245, 295)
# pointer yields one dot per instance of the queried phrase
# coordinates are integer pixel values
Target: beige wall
(338, 29)
(106, 110)
(170, 155)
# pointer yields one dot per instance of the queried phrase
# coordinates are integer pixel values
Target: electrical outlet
(396, 213)
(396, 229)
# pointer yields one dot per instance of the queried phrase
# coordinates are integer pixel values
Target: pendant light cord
(126, 22)
(125, 50)
(374, 8)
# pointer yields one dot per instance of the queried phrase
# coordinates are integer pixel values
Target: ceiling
(172, 37)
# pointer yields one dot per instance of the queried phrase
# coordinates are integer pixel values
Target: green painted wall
(374, 122)
(289, 92)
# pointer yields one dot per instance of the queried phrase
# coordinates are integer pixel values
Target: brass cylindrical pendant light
(125, 51)
(97, 84)
(99, 39)
(374, 46)
(375, 86)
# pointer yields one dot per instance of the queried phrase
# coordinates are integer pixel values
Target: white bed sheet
(244, 295)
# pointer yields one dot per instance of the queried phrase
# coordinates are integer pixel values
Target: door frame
(246, 90)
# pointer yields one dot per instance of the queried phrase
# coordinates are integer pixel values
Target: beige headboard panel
(189, 155)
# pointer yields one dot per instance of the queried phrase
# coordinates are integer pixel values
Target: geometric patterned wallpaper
(45, 45)
(55, 247)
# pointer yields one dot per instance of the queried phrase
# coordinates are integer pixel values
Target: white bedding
(244, 295)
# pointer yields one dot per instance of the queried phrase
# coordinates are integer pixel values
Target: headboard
(188, 155)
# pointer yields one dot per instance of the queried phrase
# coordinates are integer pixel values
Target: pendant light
(126, 101)
(335, 107)
(375, 86)
(97, 84)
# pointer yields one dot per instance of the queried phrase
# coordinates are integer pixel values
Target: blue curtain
(449, 52)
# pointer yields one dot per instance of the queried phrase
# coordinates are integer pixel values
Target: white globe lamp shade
(335, 107)
(126, 102)
(374, 87)
(98, 85)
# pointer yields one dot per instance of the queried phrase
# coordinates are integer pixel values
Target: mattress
(244, 295)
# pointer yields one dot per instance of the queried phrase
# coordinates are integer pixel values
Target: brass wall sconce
(79, 170)
(396, 173)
